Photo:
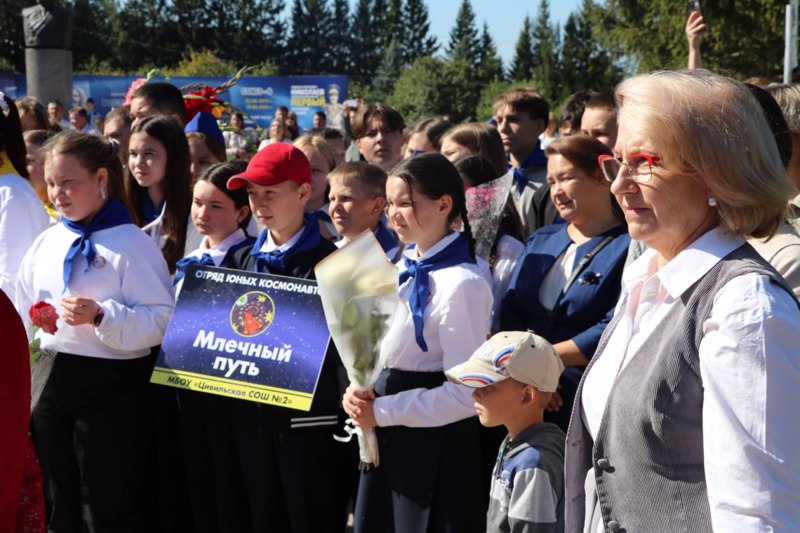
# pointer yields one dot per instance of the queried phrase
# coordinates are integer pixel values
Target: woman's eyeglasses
(635, 168)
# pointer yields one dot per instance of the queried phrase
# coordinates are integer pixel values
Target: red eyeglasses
(635, 168)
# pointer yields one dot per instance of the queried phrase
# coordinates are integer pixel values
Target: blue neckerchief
(535, 159)
(150, 212)
(112, 214)
(385, 238)
(275, 261)
(180, 266)
(455, 253)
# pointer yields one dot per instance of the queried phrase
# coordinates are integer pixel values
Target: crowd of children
(104, 229)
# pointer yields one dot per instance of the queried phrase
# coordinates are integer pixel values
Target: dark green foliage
(419, 42)
(522, 65)
(745, 36)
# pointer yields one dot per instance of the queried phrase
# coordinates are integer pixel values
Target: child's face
(214, 213)
(201, 156)
(352, 210)
(319, 177)
(415, 217)
(495, 404)
(147, 160)
(73, 189)
(278, 207)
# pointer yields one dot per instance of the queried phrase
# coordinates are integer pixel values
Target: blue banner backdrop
(257, 96)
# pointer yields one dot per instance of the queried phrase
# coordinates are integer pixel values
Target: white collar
(219, 251)
(270, 246)
(443, 243)
(687, 267)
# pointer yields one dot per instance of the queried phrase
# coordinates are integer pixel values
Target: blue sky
(503, 16)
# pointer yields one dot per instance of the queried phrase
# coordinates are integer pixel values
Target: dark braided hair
(434, 176)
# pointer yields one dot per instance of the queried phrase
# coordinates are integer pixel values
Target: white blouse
(128, 279)
(456, 323)
(750, 367)
(22, 219)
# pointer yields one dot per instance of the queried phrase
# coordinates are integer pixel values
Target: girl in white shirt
(22, 216)
(110, 286)
(159, 183)
(428, 440)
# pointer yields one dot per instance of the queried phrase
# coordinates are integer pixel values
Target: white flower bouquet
(358, 286)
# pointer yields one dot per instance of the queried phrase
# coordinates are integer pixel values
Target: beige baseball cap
(521, 355)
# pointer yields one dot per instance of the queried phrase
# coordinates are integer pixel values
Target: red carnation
(202, 100)
(44, 316)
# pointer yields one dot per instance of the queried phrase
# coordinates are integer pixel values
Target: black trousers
(429, 479)
(93, 437)
(292, 478)
(215, 482)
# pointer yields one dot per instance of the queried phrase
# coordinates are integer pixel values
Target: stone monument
(48, 52)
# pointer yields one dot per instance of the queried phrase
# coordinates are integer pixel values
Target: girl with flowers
(427, 436)
(110, 287)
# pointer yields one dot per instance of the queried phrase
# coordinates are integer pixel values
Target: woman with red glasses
(567, 281)
(686, 418)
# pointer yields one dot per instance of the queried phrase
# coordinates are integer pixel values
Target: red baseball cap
(273, 165)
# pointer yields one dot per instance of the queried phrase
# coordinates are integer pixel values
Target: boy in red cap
(289, 458)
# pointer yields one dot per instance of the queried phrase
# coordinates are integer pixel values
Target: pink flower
(138, 82)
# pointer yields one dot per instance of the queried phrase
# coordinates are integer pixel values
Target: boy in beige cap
(514, 374)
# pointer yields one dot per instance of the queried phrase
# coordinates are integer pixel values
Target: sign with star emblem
(246, 335)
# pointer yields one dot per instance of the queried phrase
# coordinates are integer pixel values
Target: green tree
(394, 25)
(490, 64)
(390, 69)
(585, 65)
(464, 41)
(364, 43)
(418, 41)
(545, 54)
(147, 36)
(12, 38)
(523, 62)
(308, 47)
(745, 37)
(340, 46)
(432, 86)
(203, 63)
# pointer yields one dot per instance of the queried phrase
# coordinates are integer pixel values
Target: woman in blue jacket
(567, 283)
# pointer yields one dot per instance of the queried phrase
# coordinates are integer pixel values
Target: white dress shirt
(128, 279)
(456, 323)
(509, 251)
(22, 219)
(217, 253)
(750, 367)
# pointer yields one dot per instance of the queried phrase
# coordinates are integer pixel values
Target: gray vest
(648, 457)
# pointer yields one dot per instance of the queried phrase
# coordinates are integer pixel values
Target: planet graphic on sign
(252, 313)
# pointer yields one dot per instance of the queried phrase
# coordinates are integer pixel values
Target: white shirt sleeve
(463, 325)
(750, 366)
(22, 219)
(139, 319)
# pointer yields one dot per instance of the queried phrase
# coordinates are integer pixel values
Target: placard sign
(245, 335)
